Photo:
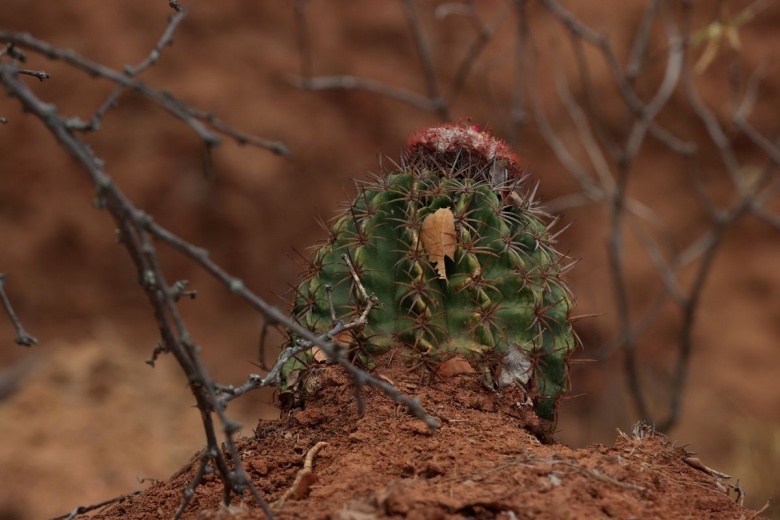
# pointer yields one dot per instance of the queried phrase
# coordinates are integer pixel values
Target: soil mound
(491, 458)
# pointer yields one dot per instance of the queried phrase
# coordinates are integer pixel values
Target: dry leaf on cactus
(439, 239)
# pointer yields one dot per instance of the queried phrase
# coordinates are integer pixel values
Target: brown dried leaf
(319, 355)
(385, 379)
(454, 366)
(343, 339)
(439, 238)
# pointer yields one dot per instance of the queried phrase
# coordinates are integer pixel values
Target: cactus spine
(462, 261)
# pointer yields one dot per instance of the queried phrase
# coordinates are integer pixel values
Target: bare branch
(771, 219)
(189, 491)
(680, 374)
(589, 186)
(715, 132)
(22, 337)
(165, 40)
(608, 348)
(577, 115)
(190, 116)
(304, 46)
(133, 235)
(772, 151)
(368, 85)
(748, 102)
(40, 74)
(664, 270)
(434, 102)
(595, 113)
(518, 116)
(484, 34)
(426, 61)
(80, 510)
(674, 66)
(634, 103)
(130, 72)
(635, 61)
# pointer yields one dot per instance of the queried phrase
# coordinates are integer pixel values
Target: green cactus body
(498, 294)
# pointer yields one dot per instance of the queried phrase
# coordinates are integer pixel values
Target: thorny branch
(137, 232)
(194, 118)
(604, 178)
(131, 224)
(273, 316)
(131, 72)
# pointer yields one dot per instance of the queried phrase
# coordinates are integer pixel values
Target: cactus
(461, 260)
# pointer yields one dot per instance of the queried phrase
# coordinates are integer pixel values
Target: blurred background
(83, 419)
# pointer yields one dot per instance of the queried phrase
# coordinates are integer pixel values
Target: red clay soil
(486, 461)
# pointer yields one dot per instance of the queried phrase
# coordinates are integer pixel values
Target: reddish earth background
(88, 419)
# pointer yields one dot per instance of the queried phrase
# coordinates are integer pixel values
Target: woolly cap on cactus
(462, 261)
(450, 141)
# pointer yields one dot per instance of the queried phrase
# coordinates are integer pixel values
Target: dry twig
(80, 510)
(304, 478)
(22, 337)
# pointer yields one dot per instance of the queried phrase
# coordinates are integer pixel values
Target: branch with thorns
(192, 117)
(137, 232)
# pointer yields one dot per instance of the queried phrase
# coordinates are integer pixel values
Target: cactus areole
(462, 262)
